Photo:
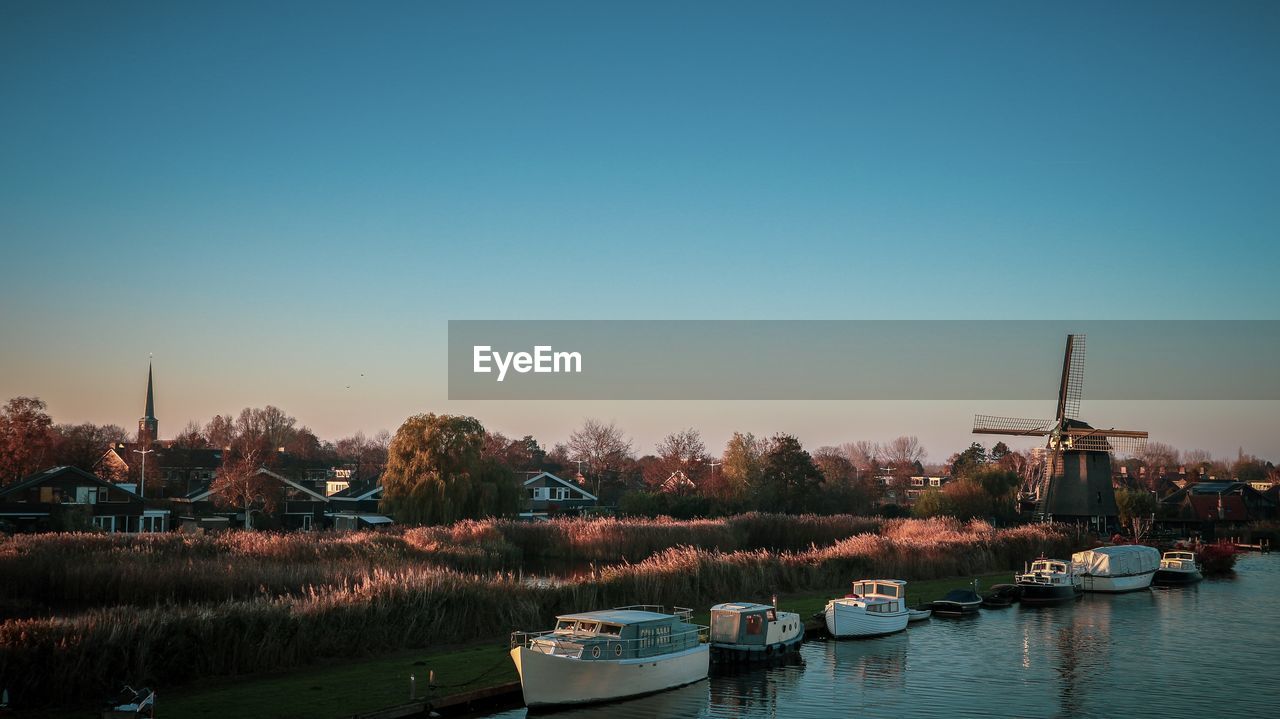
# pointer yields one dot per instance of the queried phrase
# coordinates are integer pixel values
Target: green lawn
(333, 691)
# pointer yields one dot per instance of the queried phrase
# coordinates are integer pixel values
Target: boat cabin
(1185, 561)
(879, 594)
(623, 633)
(742, 623)
(1047, 571)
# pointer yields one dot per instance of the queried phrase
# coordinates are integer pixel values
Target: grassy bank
(383, 609)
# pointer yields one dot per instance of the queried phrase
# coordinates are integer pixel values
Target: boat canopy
(879, 587)
(1118, 561)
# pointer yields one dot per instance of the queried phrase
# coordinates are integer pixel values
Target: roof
(552, 477)
(358, 490)
(900, 582)
(1206, 507)
(740, 607)
(39, 478)
(203, 493)
(617, 616)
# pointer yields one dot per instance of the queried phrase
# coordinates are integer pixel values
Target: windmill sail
(1072, 386)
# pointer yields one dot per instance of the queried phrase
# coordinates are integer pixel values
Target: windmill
(1074, 481)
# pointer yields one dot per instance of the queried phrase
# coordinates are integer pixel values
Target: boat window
(754, 623)
(773, 615)
(610, 630)
(564, 625)
(860, 588)
(888, 590)
(588, 627)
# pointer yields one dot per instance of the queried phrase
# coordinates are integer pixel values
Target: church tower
(149, 426)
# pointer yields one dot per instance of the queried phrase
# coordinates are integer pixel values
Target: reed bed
(71, 572)
(63, 659)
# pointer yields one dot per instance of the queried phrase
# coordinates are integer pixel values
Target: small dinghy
(918, 614)
(957, 602)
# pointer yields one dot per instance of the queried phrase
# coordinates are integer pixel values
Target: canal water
(1211, 650)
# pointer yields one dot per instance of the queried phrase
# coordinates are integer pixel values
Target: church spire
(149, 426)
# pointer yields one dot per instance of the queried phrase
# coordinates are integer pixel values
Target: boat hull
(918, 615)
(854, 621)
(1175, 577)
(551, 680)
(1117, 584)
(955, 609)
(1045, 595)
(741, 654)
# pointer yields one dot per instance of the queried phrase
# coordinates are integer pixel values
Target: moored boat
(749, 632)
(1048, 581)
(874, 607)
(1177, 568)
(606, 655)
(1000, 596)
(957, 602)
(918, 614)
(1122, 568)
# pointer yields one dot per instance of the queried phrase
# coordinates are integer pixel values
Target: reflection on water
(1206, 650)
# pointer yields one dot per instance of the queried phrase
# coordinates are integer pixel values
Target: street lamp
(142, 478)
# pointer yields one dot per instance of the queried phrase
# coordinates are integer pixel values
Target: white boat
(750, 632)
(1048, 581)
(918, 615)
(875, 607)
(1176, 568)
(607, 655)
(1122, 568)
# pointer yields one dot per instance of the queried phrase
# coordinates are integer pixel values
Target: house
(68, 499)
(918, 484)
(678, 483)
(297, 505)
(171, 471)
(549, 494)
(1220, 501)
(357, 497)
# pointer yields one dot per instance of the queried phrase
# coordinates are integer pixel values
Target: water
(1204, 651)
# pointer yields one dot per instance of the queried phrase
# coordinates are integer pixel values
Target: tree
(931, 503)
(603, 448)
(842, 489)
(741, 465)
(437, 473)
(969, 461)
(191, 437)
(864, 455)
(683, 451)
(26, 438)
(999, 452)
(789, 480)
(241, 485)
(221, 431)
(82, 445)
(1136, 508)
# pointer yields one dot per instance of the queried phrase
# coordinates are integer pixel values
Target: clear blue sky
(277, 197)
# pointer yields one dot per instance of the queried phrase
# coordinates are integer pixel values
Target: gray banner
(859, 359)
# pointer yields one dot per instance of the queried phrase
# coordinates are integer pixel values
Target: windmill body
(1073, 483)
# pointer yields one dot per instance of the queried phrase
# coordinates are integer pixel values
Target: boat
(957, 602)
(1122, 568)
(874, 608)
(916, 614)
(1048, 581)
(749, 632)
(130, 703)
(602, 656)
(1000, 596)
(1177, 568)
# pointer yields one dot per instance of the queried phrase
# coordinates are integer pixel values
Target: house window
(46, 495)
(86, 495)
(540, 493)
(917, 481)
(935, 481)
(106, 522)
(562, 493)
(306, 522)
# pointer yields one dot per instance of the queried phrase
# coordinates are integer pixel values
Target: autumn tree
(82, 445)
(241, 485)
(220, 432)
(740, 469)
(604, 449)
(842, 487)
(969, 461)
(436, 473)
(26, 438)
(190, 437)
(685, 452)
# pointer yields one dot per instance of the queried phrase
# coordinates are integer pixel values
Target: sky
(286, 202)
